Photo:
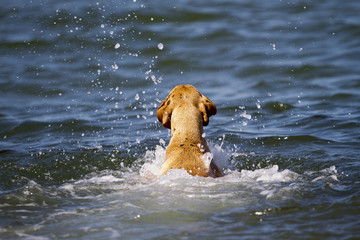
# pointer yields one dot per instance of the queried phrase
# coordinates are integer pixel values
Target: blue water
(81, 147)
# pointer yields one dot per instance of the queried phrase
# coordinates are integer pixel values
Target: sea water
(81, 148)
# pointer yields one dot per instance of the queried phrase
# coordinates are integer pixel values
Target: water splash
(160, 46)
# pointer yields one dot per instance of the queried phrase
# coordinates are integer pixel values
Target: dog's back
(186, 111)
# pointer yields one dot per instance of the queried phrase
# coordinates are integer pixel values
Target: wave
(145, 174)
(139, 193)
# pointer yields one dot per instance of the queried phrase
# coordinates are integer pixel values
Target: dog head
(185, 94)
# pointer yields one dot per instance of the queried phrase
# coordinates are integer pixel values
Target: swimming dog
(185, 111)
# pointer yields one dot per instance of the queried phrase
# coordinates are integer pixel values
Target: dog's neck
(187, 127)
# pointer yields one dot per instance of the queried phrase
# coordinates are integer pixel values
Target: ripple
(79, 86)
(278, 107)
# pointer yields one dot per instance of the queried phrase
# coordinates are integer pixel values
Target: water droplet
(160, 46)
(274, 46)
(245, 115)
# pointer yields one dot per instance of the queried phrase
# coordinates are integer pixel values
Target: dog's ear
(207, 108)
(164, 113)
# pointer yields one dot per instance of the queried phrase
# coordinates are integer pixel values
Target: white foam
(100, 180)
(30, 237)
(267, 175)
(325, 174)
(222, 156)
(145, 178)
(153, 162)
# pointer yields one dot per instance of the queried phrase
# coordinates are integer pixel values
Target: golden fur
(185, 111)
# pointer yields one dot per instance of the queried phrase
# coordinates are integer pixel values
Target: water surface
(81, 148)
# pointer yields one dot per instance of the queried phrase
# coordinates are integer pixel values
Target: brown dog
(185, 111)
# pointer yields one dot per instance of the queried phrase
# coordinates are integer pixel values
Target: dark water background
(80, 145)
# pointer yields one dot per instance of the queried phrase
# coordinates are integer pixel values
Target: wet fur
(185, 111)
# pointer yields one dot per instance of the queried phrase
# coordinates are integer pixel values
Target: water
(81, 148)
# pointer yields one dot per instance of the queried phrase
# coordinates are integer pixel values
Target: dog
(185, 111)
